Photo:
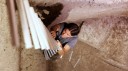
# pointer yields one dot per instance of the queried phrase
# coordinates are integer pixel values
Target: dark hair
(74, 28)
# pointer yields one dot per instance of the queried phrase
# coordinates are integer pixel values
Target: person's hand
(61, 52)
(53, 33)
(58, 43)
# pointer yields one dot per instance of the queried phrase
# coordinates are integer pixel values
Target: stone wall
(75, 10)
(110, 36)
(9, 55)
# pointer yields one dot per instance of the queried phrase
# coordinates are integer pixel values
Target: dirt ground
(87, 58)
(9, 55)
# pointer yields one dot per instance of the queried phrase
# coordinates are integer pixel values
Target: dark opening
(53, 12)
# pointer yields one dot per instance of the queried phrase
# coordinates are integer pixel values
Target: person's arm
(55, 27)
(65, 49)
(53, 33)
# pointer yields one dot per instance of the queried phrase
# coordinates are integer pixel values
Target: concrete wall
(109, 35)
(91, 1)
(76, 10)
(9, 55)
(110, 1)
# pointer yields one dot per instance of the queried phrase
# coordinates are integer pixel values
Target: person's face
(66, 33)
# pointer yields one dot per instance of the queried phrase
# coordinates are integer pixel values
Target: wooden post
(13, 24)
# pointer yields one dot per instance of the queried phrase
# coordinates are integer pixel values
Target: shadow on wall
(48, 13)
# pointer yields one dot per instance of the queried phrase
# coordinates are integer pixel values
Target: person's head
(71, 29)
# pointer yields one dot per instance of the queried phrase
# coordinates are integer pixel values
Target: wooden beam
(13, 24)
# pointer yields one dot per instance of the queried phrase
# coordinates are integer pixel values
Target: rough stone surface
(108, 35)
(32, 60)
(9, 55)
(90, 60)
(85, 11)
(75, 10)
(96, 30)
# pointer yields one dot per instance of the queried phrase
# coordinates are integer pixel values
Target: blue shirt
(71, 41)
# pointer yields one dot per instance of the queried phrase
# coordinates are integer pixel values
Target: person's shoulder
(74, 39)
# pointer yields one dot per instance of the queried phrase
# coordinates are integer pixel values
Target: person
(66, 35)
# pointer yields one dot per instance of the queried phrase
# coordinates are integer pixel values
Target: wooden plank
(24, 24)
(39, 30)
(31, 24)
